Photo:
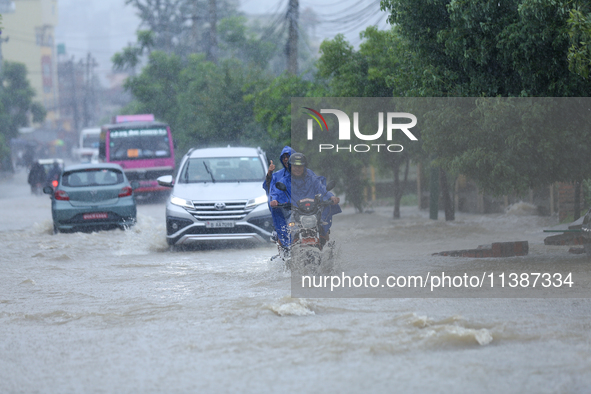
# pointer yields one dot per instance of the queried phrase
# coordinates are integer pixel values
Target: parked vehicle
(217, 196)
(143, 147)
(48, 163)
(88, 148)
(92, 197)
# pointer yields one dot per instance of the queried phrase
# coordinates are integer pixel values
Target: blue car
(92, 197)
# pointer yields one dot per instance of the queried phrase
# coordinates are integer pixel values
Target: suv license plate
(219, 224)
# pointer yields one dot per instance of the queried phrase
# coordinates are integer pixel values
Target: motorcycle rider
(269, 185)
(36, 177)
(302, 183)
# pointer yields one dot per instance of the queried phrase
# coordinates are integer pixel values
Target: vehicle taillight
(126, 191)
(54, 184)
(61, 195)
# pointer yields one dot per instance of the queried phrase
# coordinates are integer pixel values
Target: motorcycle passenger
(303, 183)
(272, 178)
(54, 174)
(269, 185)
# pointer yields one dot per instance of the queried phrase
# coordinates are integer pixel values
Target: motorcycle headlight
(182, 202)
(256, 201)
(308, 221)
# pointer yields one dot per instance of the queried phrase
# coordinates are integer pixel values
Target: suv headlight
(182, 202)
(256, 201)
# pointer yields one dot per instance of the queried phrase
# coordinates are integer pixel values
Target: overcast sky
(104, 27)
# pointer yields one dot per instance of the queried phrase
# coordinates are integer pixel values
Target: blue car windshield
(92, 177)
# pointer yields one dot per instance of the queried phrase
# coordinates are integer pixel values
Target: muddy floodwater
(118, 312)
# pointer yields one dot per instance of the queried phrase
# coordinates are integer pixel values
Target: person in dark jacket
(36, 177)
(301, 183)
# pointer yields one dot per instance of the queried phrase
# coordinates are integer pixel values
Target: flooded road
(117, 311)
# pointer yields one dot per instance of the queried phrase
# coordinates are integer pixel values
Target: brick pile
(497, 249)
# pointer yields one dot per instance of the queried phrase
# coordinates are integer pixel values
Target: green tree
(214, 110)
(16, 104)
(382, 67)
(157, 87)
(130, 58)
(579, 53)
(513, 48)
(203, 102)
(17, 100)
(272, 106)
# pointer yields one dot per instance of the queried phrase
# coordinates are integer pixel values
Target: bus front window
(139, 144)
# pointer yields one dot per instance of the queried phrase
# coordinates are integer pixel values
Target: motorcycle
(309, 244)
(37, 188)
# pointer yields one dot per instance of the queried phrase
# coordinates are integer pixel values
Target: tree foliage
(579, 30)
(514, 48)
(382, 67)
(16, 103)
(203, 102)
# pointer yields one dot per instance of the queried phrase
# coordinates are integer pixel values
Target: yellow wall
(22, 28)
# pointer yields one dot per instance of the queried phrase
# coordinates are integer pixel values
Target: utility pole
(292, 40)
(6, 7)
(88, 89)
(194, 27)
(213, 38)
(73, 97)
(2, 40)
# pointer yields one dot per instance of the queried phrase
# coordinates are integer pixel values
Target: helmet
(298, 159)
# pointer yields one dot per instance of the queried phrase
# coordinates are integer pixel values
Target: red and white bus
(142, 146)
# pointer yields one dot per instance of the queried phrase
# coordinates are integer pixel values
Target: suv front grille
(206, 210)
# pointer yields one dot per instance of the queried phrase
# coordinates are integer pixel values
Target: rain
(457, 262)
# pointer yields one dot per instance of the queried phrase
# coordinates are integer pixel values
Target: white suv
(218, 195)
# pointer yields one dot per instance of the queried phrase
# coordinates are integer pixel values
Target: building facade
(28, 31)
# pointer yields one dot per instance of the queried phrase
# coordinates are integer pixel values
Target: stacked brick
(567, 238)
(497, 249)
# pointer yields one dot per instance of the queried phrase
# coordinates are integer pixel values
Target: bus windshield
(131, 144)
(90, 140)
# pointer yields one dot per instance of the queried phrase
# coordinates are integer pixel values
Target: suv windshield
(222, 169)
(92, 177)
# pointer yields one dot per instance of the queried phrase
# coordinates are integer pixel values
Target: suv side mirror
(165, 180)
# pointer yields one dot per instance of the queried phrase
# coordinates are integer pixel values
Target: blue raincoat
(276, 213)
